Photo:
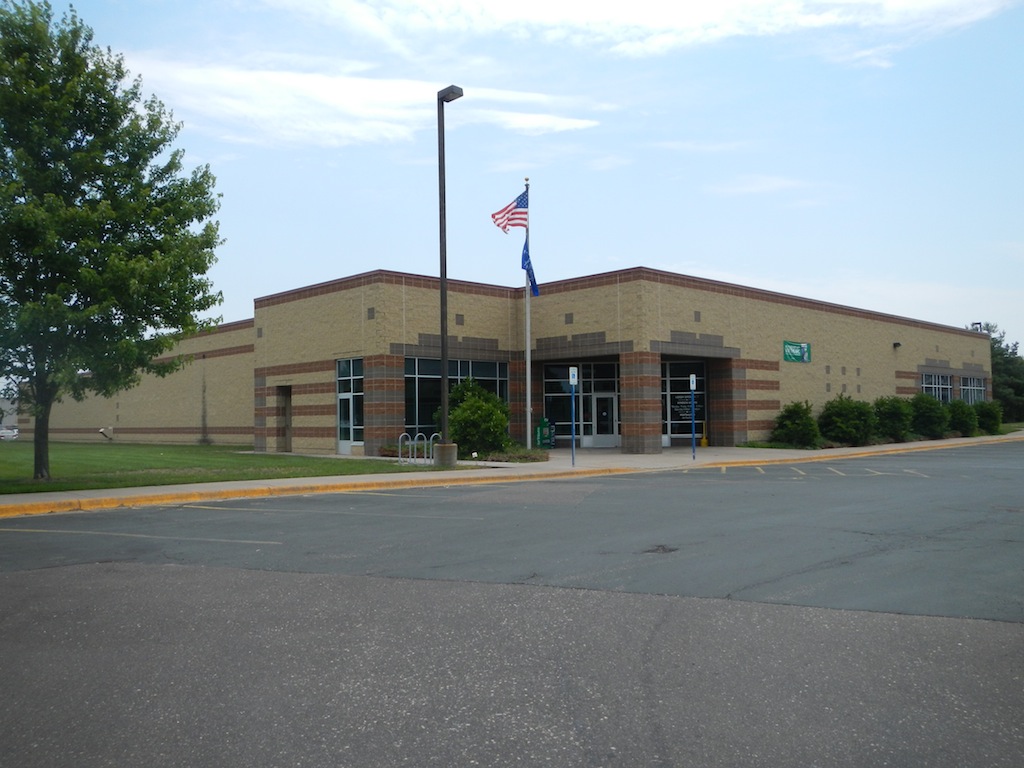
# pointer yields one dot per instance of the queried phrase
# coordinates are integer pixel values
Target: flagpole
(529, 371)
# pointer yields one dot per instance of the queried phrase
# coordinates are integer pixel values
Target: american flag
(514, 214)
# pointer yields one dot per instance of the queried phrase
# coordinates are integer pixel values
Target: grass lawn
(79, 466)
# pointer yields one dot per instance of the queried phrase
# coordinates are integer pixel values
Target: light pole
(446, 450)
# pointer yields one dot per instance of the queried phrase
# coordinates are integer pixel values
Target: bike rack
(417, 450)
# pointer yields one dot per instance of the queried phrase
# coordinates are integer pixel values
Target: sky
(862, 152)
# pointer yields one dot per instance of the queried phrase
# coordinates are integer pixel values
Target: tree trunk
(41, 441)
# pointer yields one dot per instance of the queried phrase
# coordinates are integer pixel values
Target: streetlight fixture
(446, 450)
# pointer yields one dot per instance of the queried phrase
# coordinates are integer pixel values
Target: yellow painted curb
(185, 497)
(877, 451)
(440, 479)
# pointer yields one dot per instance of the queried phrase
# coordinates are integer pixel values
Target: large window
(423, 387)
(350, 400)
(596, 404)
(557, 399)
(680, 407)
(972, 389)
(938, 385)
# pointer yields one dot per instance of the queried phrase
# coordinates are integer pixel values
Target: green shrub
(468, 388)
(477, 419)
(931, 419)
(795, 425)
(962, 418)
(895, 417)
(847, 421)
(479, 425)
(990, 417)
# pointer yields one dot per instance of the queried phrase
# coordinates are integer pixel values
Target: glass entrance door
(350, 422)
(350, 405)
(345, 424)
(605, 420)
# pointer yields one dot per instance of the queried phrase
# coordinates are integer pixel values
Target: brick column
(640, 401)
(383, 401)
(738, 393)
(260, 415)
(272, 426)
(726, 392)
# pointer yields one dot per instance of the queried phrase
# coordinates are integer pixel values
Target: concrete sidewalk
(588, 462)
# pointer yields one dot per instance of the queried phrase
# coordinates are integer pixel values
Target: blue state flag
(528, 266)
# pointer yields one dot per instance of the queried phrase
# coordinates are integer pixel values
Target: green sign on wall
(796, 351)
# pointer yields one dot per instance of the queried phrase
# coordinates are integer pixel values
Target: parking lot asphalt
(166, 661)
(562, 463)
(122, 664)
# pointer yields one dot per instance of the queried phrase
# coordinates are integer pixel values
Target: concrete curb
(882, 450)
(264, 491)
(83, 501)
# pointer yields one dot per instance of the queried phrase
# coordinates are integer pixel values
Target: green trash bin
(543, 435)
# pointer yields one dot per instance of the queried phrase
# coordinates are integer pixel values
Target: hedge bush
(931, 419)
(894, 416)
(477, 419)
(990, 417)
(847, 421)
(795, 425)
(962, 418)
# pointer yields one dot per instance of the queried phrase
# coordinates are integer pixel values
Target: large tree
(104, 241)
(1007, 374)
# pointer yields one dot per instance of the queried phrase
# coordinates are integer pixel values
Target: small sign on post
(574, 377)
(693, 415)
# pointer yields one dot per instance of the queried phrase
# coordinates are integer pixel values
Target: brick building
(349, 365)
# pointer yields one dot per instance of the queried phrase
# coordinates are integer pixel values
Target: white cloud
(255, 103)
(266, 97)
(532, 124)
(608, 162)
(640, 27)
(280, 105)
(878, 56)
(757, 185)
(701, 147)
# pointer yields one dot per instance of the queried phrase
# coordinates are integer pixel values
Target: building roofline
(649, 274)
(380, 276)
(630, 274)
(233, 325)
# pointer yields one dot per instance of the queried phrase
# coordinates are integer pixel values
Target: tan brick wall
(301, 334)
(284, 360)
(299, 337)
(371, 313)
(614, 309)
(210, 399)
(851, 350)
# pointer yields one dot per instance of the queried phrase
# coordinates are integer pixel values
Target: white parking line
(134, 535)
(347, 512)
